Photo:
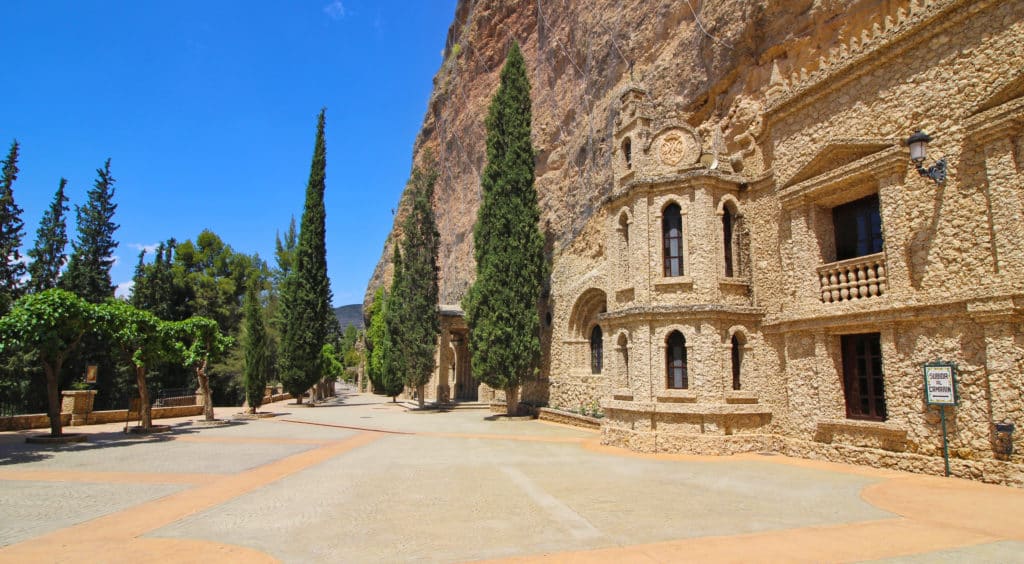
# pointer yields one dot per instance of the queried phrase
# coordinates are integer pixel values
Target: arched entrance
(466, 387)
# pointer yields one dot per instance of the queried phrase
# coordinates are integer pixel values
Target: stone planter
(79, 404)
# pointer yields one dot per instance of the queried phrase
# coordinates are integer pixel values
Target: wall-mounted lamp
(918, 143)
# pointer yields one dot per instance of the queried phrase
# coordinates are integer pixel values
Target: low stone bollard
(79, 404)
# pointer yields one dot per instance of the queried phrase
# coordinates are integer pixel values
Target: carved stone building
(784, 295)
(780, 288)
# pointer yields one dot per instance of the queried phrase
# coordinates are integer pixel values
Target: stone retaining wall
(568, 418)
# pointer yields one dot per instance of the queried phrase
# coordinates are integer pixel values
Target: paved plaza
(360, 479)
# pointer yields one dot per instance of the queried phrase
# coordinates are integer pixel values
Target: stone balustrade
(853, 279)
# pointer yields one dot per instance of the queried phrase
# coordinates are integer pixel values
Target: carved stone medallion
(673, 149)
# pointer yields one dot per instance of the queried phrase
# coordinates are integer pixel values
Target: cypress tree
(501, 305)
(92, 256)
(306, 296)
(394, 365)
(51, 240)
(377, 341)
(256, 371)
(419, 322)
(12, 270)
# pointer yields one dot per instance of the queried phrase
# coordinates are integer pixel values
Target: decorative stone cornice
(833, 185)
(680, 312)
(912, 24)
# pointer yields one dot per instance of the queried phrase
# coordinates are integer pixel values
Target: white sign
(939, 384)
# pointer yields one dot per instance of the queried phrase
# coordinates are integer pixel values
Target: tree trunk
(419, 394)
(512, 400)
(53, 398)
(298, 400)
(145, 410)
(204, 385)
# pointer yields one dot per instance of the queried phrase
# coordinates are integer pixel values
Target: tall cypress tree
(257, 370)
(306, 296)
(12, 270)
(395, 365)
(501, 306)
(92, 257)
(377, 341)
(51, 240)
(419, 322)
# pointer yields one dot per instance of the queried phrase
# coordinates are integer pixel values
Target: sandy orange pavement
(929, 513)
(116, 537)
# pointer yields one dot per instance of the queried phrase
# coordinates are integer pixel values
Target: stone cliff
(709, 63)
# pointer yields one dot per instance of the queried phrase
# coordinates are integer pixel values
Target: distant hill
(350, 314)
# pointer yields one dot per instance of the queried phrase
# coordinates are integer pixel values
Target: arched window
(675, 361)
(627, 152)
(737, 359)
(727, 224)
(596, 350)
(672, 237)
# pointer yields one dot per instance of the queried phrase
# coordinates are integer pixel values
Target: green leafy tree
(257, 357)
(419, 321)
(395, 365)
(49, 325)
(378, 342)
(501, 305)
(51, 241)
(306, 298)
(143, 339)
(160, 288)
(92, 256)
(12, 270)
(196, 342)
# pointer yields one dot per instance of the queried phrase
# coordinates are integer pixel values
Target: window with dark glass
(863, 384)
(736, 359)
(727, 240)
(596, 350)
(672, 236)
(858, 228)
(675, 361)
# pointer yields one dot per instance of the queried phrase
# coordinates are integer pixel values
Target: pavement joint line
(108, 477)
(876, 539)
(248, 440)
(348, 427)
(526, 438)
(559, 511)
(125, 527)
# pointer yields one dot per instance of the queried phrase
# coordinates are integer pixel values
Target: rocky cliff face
(707, 62)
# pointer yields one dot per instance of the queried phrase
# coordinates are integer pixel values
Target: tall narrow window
(863, 384)
(672, 237)
(727, 240)
(675, 361)
(858, 228)
(736, 360)
(596, 350)
(624, 243)
(627, 152)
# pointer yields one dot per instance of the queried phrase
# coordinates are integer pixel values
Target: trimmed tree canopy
(501, 306)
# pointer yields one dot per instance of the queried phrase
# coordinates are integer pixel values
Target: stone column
(1003, 185)
(896, 230)
(79, 404)
(1003, 377)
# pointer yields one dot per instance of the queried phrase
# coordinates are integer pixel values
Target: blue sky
(208, 112)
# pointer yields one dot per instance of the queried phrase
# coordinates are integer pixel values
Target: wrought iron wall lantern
(918, 143)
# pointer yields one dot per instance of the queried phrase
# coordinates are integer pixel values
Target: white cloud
(150, 248)
(335, 10)
(124, 289)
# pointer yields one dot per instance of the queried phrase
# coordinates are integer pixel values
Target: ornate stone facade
(784, 296)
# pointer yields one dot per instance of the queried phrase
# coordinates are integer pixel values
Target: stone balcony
(853, 279)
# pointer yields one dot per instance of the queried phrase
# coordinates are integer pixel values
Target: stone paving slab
(1005, 552)
(30, 509)
(312, 486)
(392, 499)
(156, 453)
